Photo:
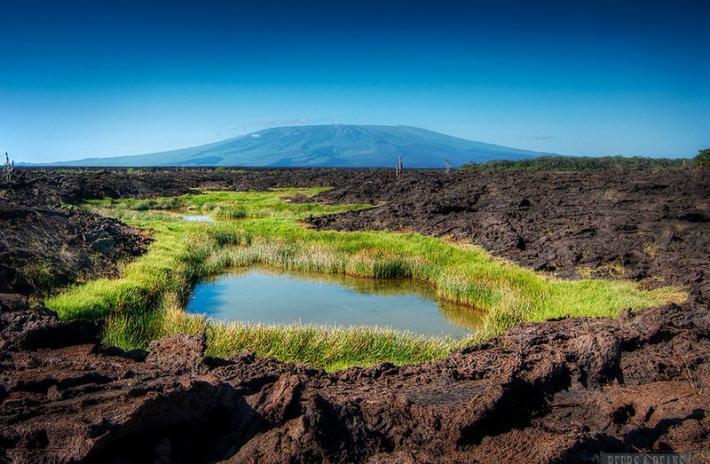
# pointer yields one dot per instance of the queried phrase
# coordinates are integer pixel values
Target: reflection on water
(261, 295)
(197, 218)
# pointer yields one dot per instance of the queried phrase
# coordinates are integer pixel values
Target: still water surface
(267, 296)
(197, 218)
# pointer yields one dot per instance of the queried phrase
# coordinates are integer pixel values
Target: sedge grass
(264, 228)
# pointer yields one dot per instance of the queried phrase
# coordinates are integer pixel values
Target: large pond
(261, 295)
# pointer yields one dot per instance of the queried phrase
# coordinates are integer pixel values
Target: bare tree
(8, 168)
(447, 163)
(400, 167)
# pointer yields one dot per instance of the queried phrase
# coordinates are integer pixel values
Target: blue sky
(82, 79)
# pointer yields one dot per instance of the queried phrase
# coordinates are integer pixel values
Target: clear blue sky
(101, 78)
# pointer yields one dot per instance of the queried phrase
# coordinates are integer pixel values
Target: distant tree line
(703, 158)
(586, 163)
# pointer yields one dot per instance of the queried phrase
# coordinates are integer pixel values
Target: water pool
(262, 295)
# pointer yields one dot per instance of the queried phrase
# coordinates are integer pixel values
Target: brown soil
(559, 391)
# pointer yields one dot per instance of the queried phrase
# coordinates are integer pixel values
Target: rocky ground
(643, 225)
(560, 391)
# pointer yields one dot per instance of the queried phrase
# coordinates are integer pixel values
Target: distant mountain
(325, 146)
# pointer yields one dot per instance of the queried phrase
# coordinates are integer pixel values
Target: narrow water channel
(267, 296)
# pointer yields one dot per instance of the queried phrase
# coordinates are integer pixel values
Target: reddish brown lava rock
(558, 391)
(552, 392)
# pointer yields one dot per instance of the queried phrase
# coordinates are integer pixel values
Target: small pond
(267, 296)
(197, 218)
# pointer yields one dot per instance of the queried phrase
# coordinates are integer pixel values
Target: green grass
(264, 228)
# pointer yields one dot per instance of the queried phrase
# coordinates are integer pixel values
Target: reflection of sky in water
(262, 296)
(197, 218)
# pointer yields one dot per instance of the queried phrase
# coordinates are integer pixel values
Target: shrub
(574, 163)
(703, 158)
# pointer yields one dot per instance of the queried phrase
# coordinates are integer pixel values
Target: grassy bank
(264, 228)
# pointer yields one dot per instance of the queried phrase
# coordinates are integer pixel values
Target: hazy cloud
(257, 125)
(538, 137)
